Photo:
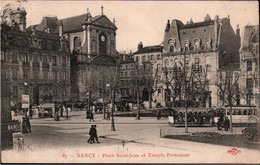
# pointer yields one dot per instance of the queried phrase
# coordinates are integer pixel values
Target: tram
(242, 114)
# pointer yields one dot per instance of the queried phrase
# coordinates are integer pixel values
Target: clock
(103, 38)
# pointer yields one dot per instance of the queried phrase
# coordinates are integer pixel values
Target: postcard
(130, 82)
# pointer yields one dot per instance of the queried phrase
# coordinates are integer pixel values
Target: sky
(145, 21)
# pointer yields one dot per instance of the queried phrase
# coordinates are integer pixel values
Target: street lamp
(112, 108)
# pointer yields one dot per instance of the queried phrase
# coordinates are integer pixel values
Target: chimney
(238, 32)
(140, 46)
(61, 29)
(114, 21)
(167, 26)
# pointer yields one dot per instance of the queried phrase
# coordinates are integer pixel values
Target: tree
(228, 86)
(114, 86)
(186, 82)
(141, 80)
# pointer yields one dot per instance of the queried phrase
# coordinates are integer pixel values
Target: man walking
(91, 116)
(91, 134)
(95, 134)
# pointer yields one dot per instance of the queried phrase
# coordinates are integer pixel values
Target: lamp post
(112, 109)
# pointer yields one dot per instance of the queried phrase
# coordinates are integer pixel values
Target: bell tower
(18, 17)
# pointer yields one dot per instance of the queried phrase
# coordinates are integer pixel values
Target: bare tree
(228, 85)
(141, 80)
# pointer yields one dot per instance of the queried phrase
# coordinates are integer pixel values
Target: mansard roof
(149, 49)
(48, 22)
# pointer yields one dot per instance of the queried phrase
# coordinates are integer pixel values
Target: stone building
(151, 57)
(210, 44)
(249, 66)
(34, 62)
(92, 43)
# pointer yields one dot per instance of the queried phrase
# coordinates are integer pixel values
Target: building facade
(92, 43)
(203, 48)
(34, 62)
(149, 58)
(249, 66)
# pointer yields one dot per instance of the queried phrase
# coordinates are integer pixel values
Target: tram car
(243, 114)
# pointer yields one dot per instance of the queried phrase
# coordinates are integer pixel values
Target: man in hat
(91, 134)
(95, 134)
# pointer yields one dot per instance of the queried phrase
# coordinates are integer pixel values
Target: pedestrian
(95, 134)
(91, 116)
(228, 124)
(225, 124)
(69, 108)
(61, 110)
(28, 124)
(91, 134)
(24, 125)
(158, 114)
(219, 124)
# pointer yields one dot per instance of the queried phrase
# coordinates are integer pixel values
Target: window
(171, 45)
(64, 75)
(63, 61)
(112, 48)
(76, 43)
(159, 92)
(249, 83)
(54, 75)
(15, 91)
(14, 58)
(151, 58)
(55, 91)
(166, 62)
(15, 74)
(26, 73)
(158, 56)
(35, 58)
(25, 58)
(93, 46)
(45, 59)
(249, 65)
(54, 60)
(137, 58)
(186, 47)
(35, 74)
(197, 44)
(45, 74)
(144, 58)
(208, 44)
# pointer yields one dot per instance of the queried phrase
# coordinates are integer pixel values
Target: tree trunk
(103, 95)
(150, 99)
(186, 118)
(112, 111)
(231, 111)
(138, 106)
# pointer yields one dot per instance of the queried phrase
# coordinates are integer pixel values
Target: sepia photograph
(130, 81)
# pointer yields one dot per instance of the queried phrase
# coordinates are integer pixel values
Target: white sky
(144, 21)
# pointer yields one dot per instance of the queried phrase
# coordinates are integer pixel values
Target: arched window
(112, 48)
(166, 62)
(93, 46)
(208, 43)
(76, 43)
(186, 45)
(197, 44)
(171, 45)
